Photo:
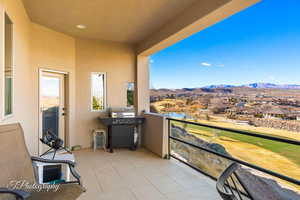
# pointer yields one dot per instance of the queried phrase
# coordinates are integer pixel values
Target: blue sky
(259, 44)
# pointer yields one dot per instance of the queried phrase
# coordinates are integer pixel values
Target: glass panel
(50, 101)
(98, 91)
(130, 94)
(8, 95)
(8, 71)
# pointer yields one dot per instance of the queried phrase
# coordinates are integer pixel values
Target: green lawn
(289, 151)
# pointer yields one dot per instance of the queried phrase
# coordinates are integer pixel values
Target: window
(130, 94)
(8, 67)
(98, 90)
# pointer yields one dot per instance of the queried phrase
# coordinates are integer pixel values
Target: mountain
(257, 85)
(218, 86)
(262, 85)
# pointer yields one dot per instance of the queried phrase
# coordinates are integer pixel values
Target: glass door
(52, 106)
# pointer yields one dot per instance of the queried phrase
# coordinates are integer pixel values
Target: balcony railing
(210, 149)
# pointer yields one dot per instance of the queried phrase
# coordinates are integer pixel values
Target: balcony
(192, 169)
(133, 175)
(114, 40)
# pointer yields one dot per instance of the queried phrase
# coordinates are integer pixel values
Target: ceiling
(129, 21)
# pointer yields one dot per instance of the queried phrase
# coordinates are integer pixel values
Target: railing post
(169, 139)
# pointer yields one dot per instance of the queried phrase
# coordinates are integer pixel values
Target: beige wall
(155, 134)
(38, 47)
(55, 51)
(23, 82)
(118, 61)
(142, 84)
(34, 47)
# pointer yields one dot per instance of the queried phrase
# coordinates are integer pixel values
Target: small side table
(59, 156)
(102, 133)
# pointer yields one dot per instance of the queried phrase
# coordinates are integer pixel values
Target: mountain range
(257, 85)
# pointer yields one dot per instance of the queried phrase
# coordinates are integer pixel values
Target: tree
(153, 109)
(207, 117)
(189, 101)
(96, 104)
(129, 98)
(218, 110)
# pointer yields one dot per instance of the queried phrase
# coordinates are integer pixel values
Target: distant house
(271, 112)
(241, 104)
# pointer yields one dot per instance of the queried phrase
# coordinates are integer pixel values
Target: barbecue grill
(123, 128)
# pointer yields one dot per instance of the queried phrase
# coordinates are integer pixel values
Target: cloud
(221, 65)
(206, 64)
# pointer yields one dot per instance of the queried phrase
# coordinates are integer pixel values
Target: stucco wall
(155, 134)
(38, 47)
(142, 84)
(118, 61)
(23, 82)
(34, 47)
(56, 51)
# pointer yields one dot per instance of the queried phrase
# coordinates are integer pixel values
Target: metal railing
(261, 169)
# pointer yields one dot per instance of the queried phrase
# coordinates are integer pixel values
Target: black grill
(123, 132)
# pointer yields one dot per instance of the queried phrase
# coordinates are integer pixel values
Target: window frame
(104, 92)
(4, 115)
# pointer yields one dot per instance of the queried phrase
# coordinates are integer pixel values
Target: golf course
(277, 156)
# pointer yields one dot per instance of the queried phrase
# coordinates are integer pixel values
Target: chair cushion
(15, 162)
(7, 197)
(64, 192)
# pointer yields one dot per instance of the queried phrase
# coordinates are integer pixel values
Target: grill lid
(122, 112)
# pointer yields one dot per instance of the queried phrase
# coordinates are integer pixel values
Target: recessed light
(81, 26)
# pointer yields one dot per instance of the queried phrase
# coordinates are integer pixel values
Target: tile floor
(140, 175)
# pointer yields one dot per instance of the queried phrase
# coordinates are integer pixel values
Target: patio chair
(17, 175)
(230, 185)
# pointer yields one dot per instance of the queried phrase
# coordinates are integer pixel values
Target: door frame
(64, 90)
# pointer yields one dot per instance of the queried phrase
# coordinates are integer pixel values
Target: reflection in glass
(98, 91)
(50, 92)
(8, 70)
(130, 94)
